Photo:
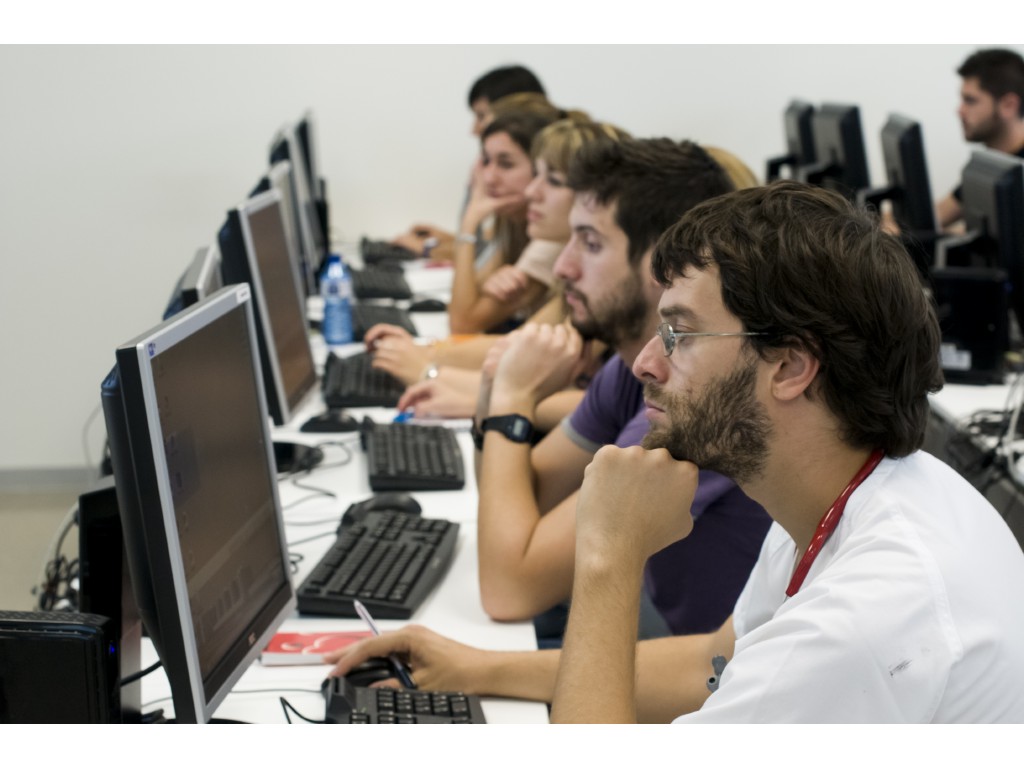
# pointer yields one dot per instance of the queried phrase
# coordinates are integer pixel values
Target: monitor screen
(254, 250)
(197, 491)
(281, 178)
(839, 146)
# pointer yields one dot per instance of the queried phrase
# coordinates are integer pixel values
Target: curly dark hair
(803, 266)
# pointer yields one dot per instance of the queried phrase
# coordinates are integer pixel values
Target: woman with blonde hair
(452, 389)
(499, 195)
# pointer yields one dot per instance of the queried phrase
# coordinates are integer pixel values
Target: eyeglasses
(668, 336)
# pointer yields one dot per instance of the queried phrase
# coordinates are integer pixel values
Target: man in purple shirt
(626, 194)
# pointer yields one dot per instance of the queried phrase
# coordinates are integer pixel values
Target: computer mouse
(428, 305)
(395, 501)
(334, 420)
(389, 501)
(371, 671)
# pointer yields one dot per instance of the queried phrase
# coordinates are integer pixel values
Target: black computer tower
(973, 306)
(57, 667)
(106, 587)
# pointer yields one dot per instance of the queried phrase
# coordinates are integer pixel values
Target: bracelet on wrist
(465, 237)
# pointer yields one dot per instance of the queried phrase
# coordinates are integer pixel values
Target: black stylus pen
(401, 671)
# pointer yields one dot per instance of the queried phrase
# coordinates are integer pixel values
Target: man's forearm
(597, 670)
(507, 517)
(520, 675)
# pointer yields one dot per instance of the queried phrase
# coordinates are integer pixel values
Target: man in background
(991, 112)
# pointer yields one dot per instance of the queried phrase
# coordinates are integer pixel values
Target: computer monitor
(992, 201)
(200, 279)
(286, 146)
(799, 141)
(306, 133)
(197, 495)
(254, 250)
(841, 163)
(281, 178)
(908, 188)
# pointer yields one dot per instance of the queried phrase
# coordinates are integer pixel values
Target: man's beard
(725, 429)
(623, 318)
(986, 131)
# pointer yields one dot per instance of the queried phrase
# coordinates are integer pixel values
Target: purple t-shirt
(694, 583)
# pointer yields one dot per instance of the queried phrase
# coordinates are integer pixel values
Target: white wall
(118, 162)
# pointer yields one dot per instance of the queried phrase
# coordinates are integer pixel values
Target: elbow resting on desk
(513, 602)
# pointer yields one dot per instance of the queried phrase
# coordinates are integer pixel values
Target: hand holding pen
(401, 671)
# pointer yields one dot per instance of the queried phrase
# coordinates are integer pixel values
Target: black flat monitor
(799, 141)
(313, 236)
(254, 250)
(197, 494)
(908, 189)
(306, 133)
(993, 211)
(841, 163)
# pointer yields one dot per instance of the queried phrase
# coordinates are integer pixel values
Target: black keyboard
(381, 250)
(379, 284)
(365, 316)
(412, 457)
(352, 382)
(347, 703)
(389, 561)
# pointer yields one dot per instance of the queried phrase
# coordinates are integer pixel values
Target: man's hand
(633, 503)
(436, 663)
(539, 360)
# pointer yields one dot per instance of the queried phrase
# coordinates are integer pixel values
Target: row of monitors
(188, 408)
(825, 146)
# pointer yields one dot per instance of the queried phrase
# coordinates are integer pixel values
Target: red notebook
(306, 647)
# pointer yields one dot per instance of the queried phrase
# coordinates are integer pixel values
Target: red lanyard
(829, 522)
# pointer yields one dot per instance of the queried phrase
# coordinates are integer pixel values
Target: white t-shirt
(912, 613)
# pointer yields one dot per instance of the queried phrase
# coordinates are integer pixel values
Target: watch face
(519, 430)
(515, 427)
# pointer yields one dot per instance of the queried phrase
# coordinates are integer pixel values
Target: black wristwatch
(516, 428)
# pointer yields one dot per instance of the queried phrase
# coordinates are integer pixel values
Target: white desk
(453, 609)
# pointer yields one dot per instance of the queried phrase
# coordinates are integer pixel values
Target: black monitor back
(841, 163)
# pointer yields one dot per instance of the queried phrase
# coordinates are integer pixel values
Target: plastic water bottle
(336, 289)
